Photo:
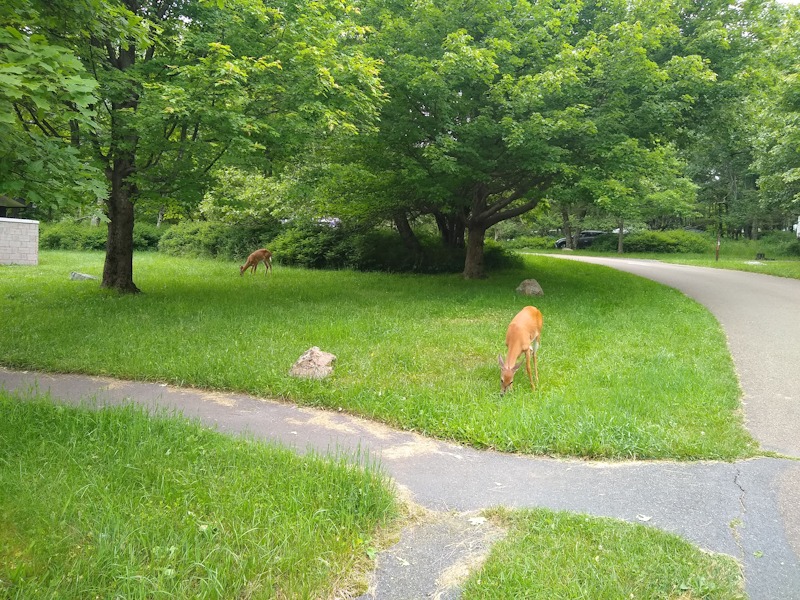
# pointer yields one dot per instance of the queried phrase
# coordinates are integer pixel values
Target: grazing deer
(523, 335)
(256, 257)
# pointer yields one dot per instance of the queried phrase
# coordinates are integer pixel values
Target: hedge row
(82, 236)
(661, 242)
(322, 247)
(216, 240)
(780, 243)
(524, 242)
(319, 246)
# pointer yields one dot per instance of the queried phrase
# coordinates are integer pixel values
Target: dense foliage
(673, 241)
(67, 235)
(380, 113)
(319, 246)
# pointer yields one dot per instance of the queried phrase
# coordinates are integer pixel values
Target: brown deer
(523, 335)
(256, 257)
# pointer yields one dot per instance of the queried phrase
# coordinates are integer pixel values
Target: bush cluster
(215, 239)
(317, 246)
(780, 243)
(667, 242)
(69, 235)
(529, 241)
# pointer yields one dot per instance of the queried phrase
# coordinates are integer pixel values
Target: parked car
(585, 239)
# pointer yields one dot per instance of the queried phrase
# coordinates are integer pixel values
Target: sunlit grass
(628, 368)
(554, 555)
(113, 503)
(777, 267)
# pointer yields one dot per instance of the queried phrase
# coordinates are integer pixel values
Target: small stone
(74, 276)
(313, 364)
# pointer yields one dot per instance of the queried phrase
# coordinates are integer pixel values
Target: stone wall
(19, 242)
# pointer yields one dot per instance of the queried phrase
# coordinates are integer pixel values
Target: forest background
(424, 126)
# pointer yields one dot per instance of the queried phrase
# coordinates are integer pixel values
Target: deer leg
(528, 366)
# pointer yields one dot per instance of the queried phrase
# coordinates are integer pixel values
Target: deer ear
(517, 366)
(500, 360)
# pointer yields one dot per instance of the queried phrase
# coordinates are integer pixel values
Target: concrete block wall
(19, 242)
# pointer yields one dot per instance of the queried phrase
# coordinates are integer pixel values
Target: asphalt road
(748, 509)
(761, 318)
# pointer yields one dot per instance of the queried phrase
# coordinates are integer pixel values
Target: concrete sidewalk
(735, 508)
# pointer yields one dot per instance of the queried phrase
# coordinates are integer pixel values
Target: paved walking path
(749, 509)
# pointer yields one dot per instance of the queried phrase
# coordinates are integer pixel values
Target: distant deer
(256, 257)
(523, 335)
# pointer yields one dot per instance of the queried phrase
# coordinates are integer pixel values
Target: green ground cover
(116, 504)
(778, 267)
(555, 555)
(629, 368)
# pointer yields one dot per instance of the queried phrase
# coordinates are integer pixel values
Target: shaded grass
(555, 555)
(113, 503)
(629, 368)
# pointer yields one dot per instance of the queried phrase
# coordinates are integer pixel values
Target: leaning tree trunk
(474, 267)
(118, 268)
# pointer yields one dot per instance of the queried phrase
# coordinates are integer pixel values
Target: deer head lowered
(523, 335)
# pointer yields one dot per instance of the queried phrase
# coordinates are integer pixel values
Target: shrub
(82, 236)
(72, 236)
(606, 243)
(529, 241)
(320, 247)
(780, 243)
(661, 242)
(215, 239)
(147, 236)
(311, 245)
(191, 238)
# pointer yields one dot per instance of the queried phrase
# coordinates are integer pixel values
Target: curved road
(749, 509)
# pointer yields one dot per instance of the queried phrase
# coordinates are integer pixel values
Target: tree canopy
(385, 110)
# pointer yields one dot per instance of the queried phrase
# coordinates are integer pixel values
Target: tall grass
(116, 504)
(628, 368)
(549, 555)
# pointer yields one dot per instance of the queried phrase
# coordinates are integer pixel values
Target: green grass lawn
(737, 256)
(777, 267)
(628, 368)
(555, 555)
(116, 504)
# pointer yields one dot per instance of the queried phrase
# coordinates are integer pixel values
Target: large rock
(313, 364)
(530, 287)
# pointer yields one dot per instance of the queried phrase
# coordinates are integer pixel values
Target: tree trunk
(474, 267)
(410, 240)
(451, 227)
(121, 165)
(566, 226)
(118, 268)
(620, 236)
